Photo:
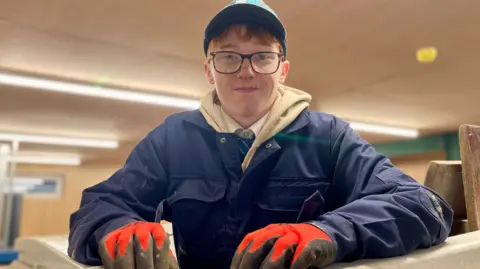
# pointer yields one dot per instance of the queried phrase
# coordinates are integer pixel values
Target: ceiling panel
(151, 25)
(29, 50)
(382, 109)
(31, 111)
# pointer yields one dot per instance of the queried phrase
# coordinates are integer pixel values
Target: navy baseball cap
(249, 12)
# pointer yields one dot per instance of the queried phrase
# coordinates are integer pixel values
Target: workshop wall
(46, 216)
(416, 166)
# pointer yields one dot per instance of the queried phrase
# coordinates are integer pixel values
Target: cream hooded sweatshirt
(289, 104)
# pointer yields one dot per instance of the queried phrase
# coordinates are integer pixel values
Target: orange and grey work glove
(142, 245)
(279, 246)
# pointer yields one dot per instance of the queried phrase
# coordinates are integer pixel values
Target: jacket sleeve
(130, 194)
(379, 211)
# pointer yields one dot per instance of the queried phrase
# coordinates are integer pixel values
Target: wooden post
(445, 177)
(469, 140)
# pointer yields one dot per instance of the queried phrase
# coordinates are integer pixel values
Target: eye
(266, 56)
(227, 57)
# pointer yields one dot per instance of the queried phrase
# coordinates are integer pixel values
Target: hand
(278, 246)
(142, 245)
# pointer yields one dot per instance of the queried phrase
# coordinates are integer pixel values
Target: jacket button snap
(268, 146)
(223, 139)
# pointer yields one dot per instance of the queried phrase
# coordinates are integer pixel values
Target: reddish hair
(246, 33)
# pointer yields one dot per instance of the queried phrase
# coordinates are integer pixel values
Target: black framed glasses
(229, 62)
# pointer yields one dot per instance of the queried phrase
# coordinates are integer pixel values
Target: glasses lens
(265, 62)
(227, 62)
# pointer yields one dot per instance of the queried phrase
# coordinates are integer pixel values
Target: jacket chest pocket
(286, 200)
(197, 206)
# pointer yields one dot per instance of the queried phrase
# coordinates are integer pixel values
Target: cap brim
(244, 14)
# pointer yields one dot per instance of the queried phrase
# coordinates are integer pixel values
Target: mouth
(246, 89)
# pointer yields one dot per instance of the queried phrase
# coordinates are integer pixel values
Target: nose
(246, 71)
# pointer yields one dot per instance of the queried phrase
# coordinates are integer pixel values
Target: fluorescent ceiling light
(4, 150)
(63, 141)
(102, 92)
(49, 160)
(28, 181)
(20, 189)
(386, 130)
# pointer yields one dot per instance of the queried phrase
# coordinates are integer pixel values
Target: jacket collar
(196, 118)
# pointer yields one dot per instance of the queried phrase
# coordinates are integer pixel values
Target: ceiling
(356, 58)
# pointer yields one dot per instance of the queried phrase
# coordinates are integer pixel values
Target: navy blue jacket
(317, 169)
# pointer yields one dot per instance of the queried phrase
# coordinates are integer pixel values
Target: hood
(290, 102)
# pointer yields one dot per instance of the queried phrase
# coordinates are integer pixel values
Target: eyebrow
(227, 46)
(230, 46)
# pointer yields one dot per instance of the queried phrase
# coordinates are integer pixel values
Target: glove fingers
(260, 236)
(254, 259)
(125, 254)
(172, 261)
(283, 262)
(282, 252)
(316, 254)
(144, 251)
(107, 250)
(140, 245)
(256, 246)
(238, 257)
(159, 235)
(107, 260)
(124, 240)
(162, 256)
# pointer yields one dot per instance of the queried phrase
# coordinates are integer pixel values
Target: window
(38, 186)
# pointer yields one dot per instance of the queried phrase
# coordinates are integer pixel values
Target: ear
(208, 73)
(284, 67)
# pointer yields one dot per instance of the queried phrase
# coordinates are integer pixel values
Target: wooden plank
(445, 177)
(469, 140)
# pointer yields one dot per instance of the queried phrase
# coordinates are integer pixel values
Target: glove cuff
(325, 235)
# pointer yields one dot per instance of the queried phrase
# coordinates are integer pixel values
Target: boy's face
(246, 92)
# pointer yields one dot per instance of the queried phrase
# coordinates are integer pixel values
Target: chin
(250, 107)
